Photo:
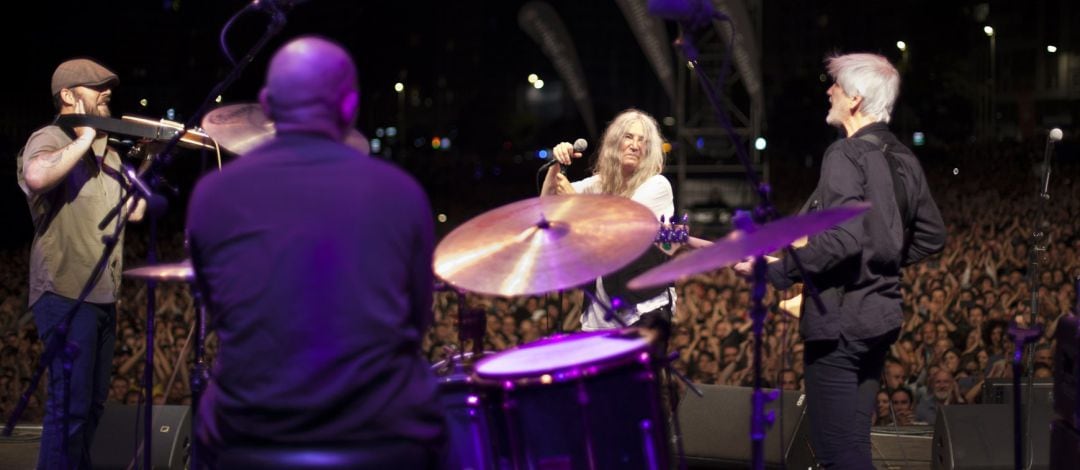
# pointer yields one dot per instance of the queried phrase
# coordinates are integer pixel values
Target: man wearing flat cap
(72, 179)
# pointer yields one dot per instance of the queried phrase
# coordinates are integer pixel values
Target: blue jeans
(93, 330)
(842, 378)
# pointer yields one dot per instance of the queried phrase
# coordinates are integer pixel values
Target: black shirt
(856, 265)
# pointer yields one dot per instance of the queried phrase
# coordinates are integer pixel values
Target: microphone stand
(277, 23)
(764, 212)
(1025, 337)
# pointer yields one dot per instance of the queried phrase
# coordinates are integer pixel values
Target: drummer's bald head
(311, 87)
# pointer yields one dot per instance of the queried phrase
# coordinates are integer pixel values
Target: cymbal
(739, 245)
(243, 126)
(180, 271)
(545, 244)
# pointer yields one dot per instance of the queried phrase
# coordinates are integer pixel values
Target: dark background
(464, 65)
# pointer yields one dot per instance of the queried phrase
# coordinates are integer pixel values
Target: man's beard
(941, 396)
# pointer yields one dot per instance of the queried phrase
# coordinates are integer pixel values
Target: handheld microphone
(580, 146)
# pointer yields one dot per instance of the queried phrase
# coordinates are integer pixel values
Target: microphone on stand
(1054, 137)
(155, 203)
(580, 146)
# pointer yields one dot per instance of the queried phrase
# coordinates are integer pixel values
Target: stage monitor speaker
(981, 437)
(1067, 370)
(716, 429)
(1064, 446)
(119, 437)
(1000, 391)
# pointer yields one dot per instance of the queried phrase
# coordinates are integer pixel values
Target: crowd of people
(957, 306)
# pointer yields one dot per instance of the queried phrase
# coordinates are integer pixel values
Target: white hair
(870, 76)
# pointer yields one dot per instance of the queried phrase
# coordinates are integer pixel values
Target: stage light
(901, 45)
(376, 145)
(435, 143)
(446, 143)
(391, 131)
(441, 217)
(218, 99)
(538, 84)
(1051, 48)
(988, 30)
(542, 154)
(143, 102)
(533, 78)
(399, 87)
(760, 143)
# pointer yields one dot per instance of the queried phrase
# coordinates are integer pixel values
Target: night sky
(465, 63)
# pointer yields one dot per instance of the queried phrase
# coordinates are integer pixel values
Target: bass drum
(588, 400)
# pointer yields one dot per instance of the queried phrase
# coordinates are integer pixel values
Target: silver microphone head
(1055, 135)
(581, 145)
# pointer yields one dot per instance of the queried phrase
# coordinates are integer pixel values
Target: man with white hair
(856, 265)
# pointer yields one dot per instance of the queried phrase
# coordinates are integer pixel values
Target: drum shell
(605, 414)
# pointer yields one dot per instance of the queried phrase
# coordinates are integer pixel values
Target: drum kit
(584, 400)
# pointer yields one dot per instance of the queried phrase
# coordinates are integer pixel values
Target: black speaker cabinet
(716, 429)
(1064, 446)
(1000, 391)
(1067, 370)
(120, 433)
(981, 437)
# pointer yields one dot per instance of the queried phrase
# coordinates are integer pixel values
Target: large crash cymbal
(180, 271)
(739, 245)
(241, 127)
(545, 244)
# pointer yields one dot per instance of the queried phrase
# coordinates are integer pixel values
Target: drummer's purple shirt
(317, 262)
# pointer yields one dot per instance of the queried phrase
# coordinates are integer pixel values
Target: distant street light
(399, 87)
(901, 45)
(533, 78)
(538, 84)
(1051, 48)
(989, 30)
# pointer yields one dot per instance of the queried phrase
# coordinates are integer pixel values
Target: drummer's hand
(564, 152)
(80, 108)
